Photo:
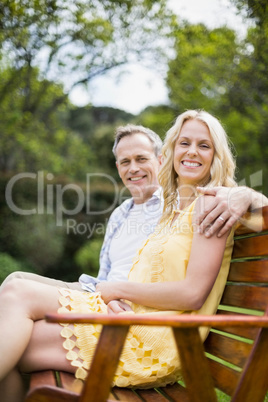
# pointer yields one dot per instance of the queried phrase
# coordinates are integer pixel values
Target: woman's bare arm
(188, 294)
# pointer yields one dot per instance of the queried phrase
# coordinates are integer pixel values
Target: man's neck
(145, 197)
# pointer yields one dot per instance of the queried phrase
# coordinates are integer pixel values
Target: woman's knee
(17, 291)
(12, 276)
(10, 293)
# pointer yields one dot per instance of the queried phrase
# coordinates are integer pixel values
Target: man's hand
(230, 204)
(117, 307)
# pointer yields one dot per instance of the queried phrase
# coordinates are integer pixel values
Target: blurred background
(72, 71)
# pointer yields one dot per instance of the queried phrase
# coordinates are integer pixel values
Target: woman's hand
(117, 306)
(107, 290)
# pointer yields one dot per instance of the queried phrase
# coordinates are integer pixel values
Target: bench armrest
(174, 321)
(195, 367)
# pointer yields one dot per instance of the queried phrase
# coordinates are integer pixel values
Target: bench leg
(253, 383)
(195, 367)
(98, 383)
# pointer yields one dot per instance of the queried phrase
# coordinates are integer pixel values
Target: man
(138, 158)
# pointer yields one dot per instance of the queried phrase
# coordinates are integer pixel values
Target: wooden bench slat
(245, 296)
(225, 378)
(251, 247)
(264, 211)
(43, 388)
(260, 218)
(150, 395)
(246, 332)
(249, 271)
(40, 378)
(111, 397)
(125, 394)
(230, 350)
(49, 394)
(70, 383)
(176, 392)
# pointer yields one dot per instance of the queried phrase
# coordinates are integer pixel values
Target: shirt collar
(157, 195)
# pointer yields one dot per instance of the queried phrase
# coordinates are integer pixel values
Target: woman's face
(193, 153)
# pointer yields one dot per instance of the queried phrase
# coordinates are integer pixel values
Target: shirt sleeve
(115, 221)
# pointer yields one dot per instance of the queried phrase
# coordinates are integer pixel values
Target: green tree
(96, 126)
(249, 94)
(9, 265)
(255, 9)
(216, 71)
(74, 41)
(49, 47)
(158, 118)
(37, 141)
(87, 257)
(201, 72)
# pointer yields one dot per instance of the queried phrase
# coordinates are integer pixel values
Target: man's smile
(136, 178)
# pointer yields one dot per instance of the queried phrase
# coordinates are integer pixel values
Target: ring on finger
(221, 218)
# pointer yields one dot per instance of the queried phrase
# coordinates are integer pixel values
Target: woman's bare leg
(12, 388)
(41, 279)
(22, 302)
(45, 350)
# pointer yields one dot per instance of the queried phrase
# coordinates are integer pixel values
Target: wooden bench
(236, 358)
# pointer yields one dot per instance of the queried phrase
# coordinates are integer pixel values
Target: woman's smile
(191, 164)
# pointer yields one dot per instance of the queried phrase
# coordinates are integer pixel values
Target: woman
(176, 270)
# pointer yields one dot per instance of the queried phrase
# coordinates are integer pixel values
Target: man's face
(138, 166)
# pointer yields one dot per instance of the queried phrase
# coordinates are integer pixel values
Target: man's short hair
(130, 129)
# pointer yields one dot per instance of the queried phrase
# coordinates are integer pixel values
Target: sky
(140, 87)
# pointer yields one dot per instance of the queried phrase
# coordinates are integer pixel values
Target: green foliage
(36, 138)
(71, 43)
(43, 223)
(47, 48)
(96, 126)
(87, 257)
(255, 9)
(249, 93)
(38, 240)
(201, 73)
(215, 70)
(158, 118)
(8, 265)
(75, 41)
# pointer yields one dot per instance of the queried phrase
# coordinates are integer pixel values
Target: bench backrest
(246, 291)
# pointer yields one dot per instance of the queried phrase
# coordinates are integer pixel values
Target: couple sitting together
(181, 238)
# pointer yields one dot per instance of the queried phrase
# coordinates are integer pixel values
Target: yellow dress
(149, 357)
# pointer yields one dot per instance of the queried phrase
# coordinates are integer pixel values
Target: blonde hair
(223, 165)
